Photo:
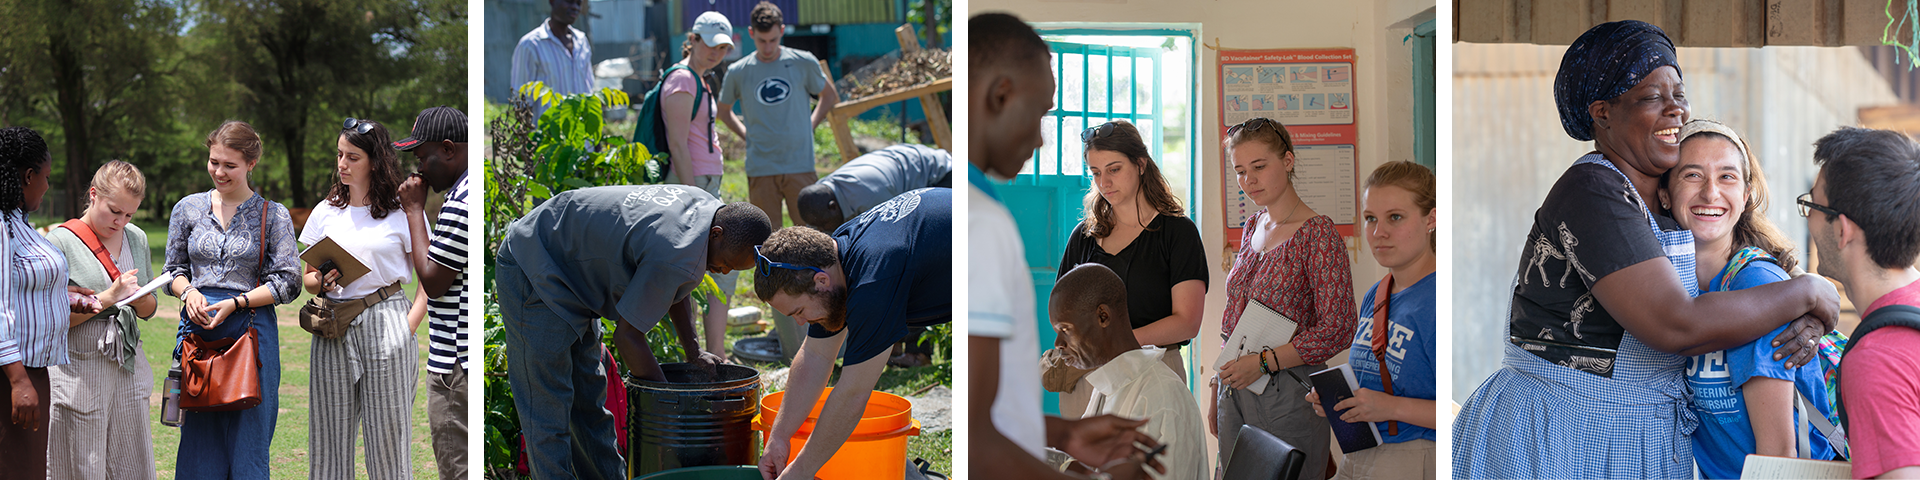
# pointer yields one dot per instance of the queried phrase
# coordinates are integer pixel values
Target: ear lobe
(820, 280)
(1598, 110)
(999, 92)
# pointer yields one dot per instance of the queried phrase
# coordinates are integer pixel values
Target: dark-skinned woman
(1601, 321)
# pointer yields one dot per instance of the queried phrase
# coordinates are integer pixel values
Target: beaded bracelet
(1263, 362)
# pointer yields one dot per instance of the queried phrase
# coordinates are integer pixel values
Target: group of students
(1132, 288)
(78, 378)
(1660, 325)
(864, 266)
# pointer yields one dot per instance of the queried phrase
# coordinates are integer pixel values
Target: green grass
(289, 449)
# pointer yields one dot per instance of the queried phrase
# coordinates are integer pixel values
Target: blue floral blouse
(211, 256)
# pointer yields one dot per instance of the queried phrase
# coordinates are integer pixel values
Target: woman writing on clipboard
(1292, 261)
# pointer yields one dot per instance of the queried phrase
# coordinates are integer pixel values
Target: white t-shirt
(1002, 307)
(382, 244)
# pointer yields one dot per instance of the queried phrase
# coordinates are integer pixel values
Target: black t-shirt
(1590, 225)
(898, 258)
(1167, 253)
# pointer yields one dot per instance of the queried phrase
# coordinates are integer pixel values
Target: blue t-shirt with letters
(1410, 351)
(1725, 436)
(898, 259)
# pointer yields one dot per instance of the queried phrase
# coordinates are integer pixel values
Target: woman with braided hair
(35, 302)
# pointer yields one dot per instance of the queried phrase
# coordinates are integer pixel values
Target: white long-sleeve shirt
(1137, 385)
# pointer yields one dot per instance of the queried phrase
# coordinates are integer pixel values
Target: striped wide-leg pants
(366, 377)
(99, 427)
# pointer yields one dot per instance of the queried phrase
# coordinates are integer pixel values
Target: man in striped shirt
(555, 53)
(439, 141)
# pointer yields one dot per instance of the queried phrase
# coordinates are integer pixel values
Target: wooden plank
(861, 105)
(1862, 21)
(842, 134)
(1902, 118)
(937, 120)
(908, 42)
(1485, 21)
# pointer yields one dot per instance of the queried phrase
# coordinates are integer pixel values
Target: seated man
(1089, 313)
(887, 270)
(871, 179)
(628, 253)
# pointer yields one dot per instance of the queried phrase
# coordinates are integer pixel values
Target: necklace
(1290, 212)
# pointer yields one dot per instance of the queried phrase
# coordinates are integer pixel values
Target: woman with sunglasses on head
(366, 375)
(231, 252)
(1605, 309)
(1136, 227)
(1292, 261)
(35, 306)
(100, 427)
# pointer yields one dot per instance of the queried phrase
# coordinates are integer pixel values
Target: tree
(90, 65)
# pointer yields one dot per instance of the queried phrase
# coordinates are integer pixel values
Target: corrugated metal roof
(848, 12)
(738, 12)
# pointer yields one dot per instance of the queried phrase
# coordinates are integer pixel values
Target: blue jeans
(233, 444)
(555, 367)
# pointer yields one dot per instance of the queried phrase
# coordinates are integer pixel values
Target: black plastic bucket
(693, 419)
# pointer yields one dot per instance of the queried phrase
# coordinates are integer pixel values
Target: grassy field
(290, 434)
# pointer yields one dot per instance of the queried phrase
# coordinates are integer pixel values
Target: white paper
(1762, 466)
(163, 279)
(1260, 328)
(1325, 181)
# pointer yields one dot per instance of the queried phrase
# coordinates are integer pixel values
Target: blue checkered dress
(1534, 419)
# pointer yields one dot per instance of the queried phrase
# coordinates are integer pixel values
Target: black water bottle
(170, 414)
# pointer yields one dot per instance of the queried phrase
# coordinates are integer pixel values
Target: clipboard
(162, 280)
(351, 268)
(1260, 328)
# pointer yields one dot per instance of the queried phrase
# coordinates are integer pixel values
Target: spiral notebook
(1260, 328)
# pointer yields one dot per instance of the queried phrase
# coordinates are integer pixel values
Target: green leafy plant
(530, 159)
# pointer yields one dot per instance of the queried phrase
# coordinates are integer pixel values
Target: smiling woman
(1606, 304)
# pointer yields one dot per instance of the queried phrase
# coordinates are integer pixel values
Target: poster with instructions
(1310, 91)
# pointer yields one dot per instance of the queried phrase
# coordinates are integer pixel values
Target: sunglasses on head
(357, 126)
(1251, 125)
(1097, 131)
(765, 266)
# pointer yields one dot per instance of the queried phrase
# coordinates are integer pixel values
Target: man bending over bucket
(877, 275)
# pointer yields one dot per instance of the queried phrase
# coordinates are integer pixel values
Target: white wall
(1382, 77)
(1509, 148)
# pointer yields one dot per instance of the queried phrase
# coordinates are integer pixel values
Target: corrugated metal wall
(849, 12)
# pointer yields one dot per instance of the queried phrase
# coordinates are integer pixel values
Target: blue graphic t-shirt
(1725, 436)
(898, 258)
(1410, 351)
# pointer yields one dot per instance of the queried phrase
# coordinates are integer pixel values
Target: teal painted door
(1096, 83)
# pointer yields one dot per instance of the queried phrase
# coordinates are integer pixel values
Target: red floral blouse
(1306, 278)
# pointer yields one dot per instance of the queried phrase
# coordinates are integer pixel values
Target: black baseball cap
(433, 125)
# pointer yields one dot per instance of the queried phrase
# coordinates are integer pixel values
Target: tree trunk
(70, 81)
(296, 143)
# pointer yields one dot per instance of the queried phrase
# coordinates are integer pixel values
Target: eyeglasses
(1806, 201)
(1097, 131)
(357, 126)
(765, 266)
(1254, 124)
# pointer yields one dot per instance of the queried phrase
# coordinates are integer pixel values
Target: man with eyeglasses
(887, 270)
(1865, 225)
(628, 253)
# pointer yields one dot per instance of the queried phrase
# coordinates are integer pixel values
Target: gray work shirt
(779, 119)
(621, 252)
(879, 176)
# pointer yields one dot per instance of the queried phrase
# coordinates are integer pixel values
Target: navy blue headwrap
(1604, 63)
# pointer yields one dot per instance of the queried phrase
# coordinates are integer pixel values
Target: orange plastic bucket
(877, 448)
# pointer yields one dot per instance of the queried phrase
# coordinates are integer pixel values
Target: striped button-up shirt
(33, 296)
(541, 57)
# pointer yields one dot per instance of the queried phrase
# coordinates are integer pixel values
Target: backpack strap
(1382, 296)
(699, 94)
(1888, 316)
(80, 229)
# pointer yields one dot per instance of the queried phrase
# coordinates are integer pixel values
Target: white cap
(713, 29)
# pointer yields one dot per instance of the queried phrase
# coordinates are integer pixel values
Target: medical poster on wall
(1311, 92)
